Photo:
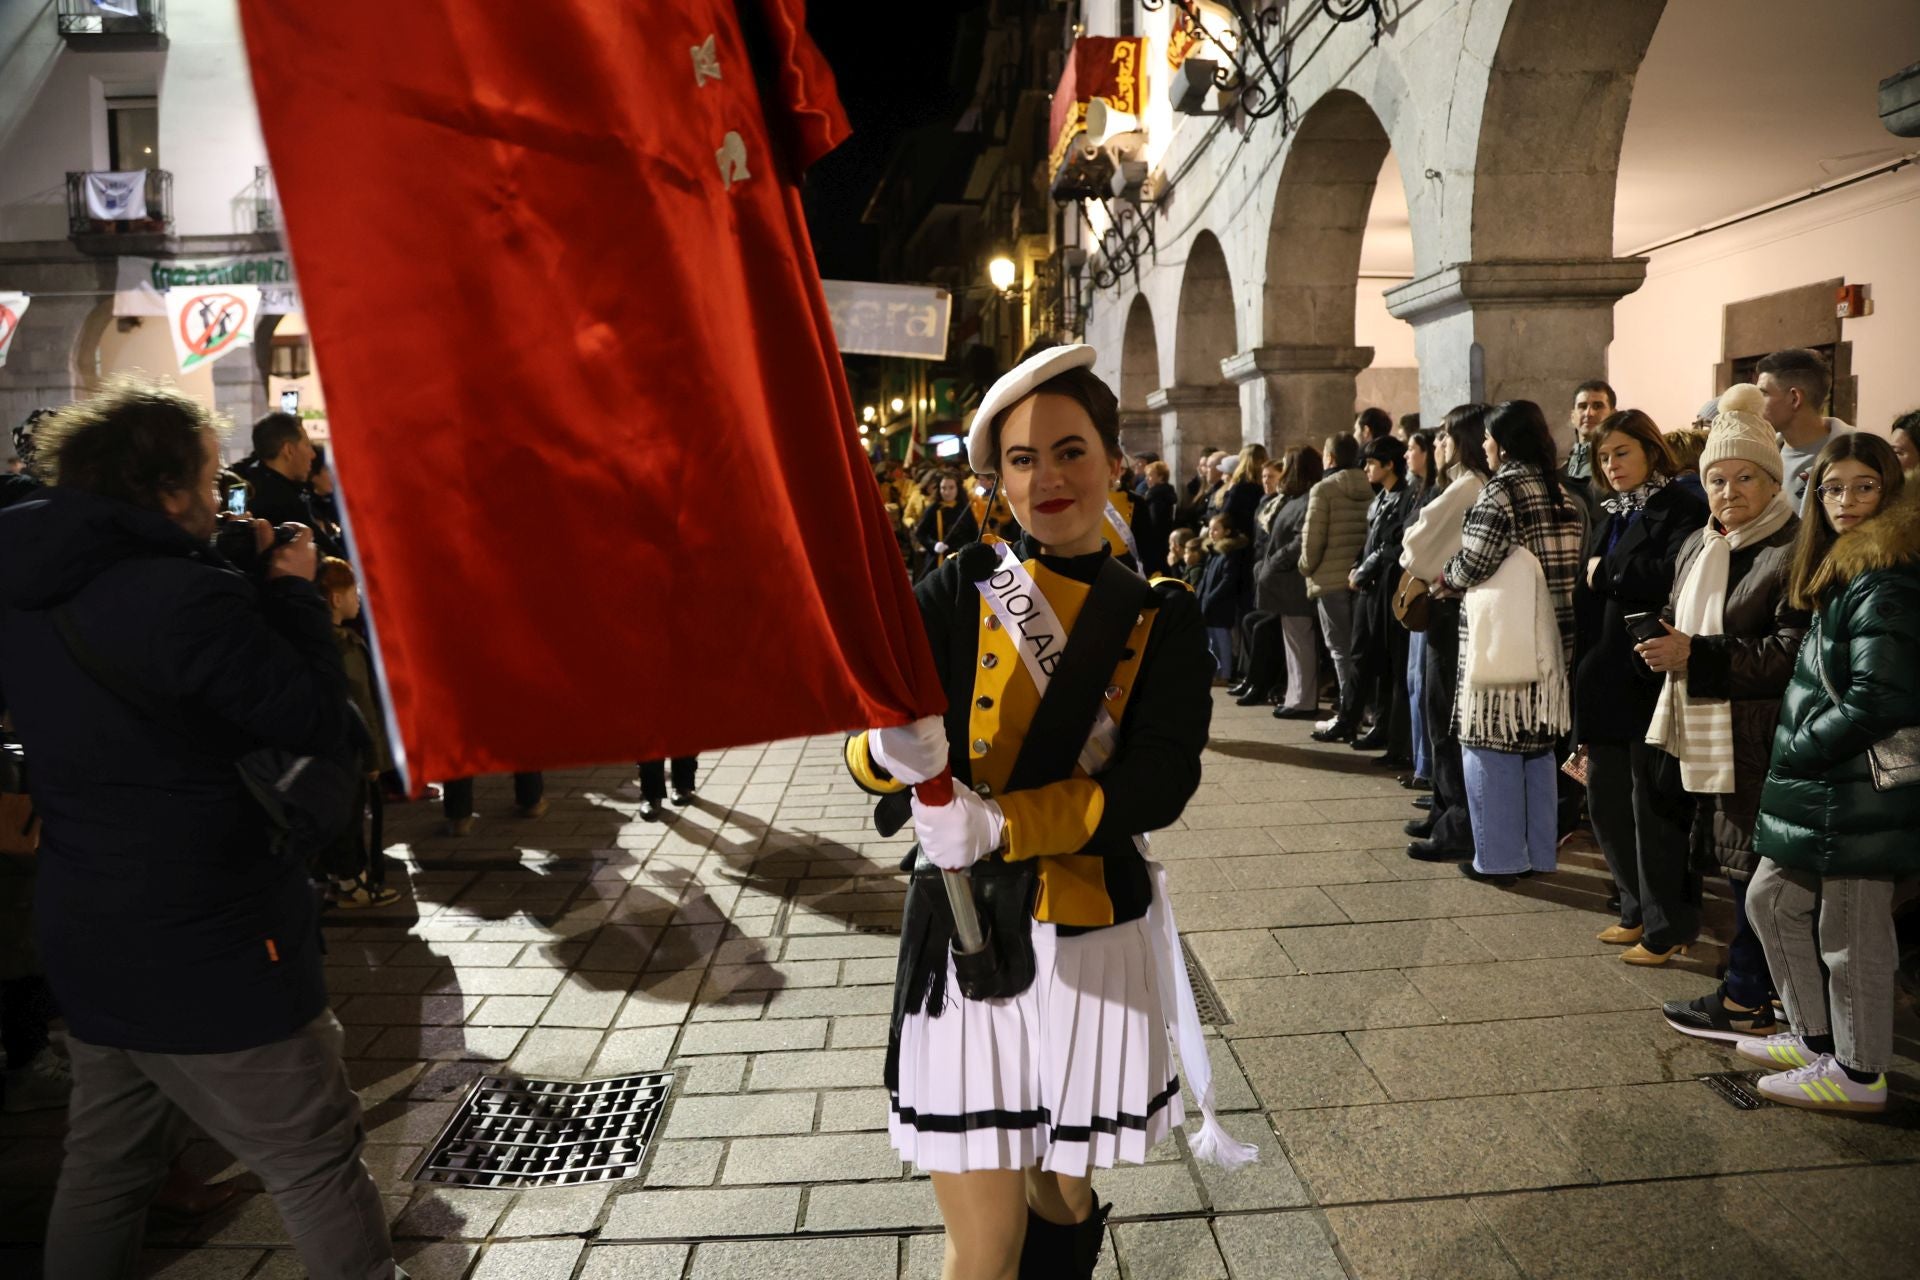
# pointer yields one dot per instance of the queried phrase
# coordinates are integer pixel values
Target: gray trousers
(1853, 999)
(285, 1110)
(1336, 626)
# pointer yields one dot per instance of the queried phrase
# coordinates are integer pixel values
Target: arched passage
(1139, 378)
(1308, 363)
(1201, 410)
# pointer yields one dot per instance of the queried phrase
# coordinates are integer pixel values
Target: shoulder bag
(1410, 602)
(1894, 761)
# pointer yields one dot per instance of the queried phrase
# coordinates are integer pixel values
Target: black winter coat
(1378, 568)
(1614, 693)
(1279, 586)
(1155, 517)
(163, 922)
(1226, 583)
(274, 498)
(950, 525)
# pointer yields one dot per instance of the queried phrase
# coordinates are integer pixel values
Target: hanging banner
(117, 197)
(1104, 67)
(140, 287)
(207, 324)
(889, 319)
(12, 307)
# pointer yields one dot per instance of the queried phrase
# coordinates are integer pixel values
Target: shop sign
(142, 284)
(889, 319)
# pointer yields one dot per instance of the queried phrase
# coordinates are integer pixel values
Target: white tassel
(1212, 1144)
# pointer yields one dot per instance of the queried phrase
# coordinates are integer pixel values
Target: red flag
(598, 451)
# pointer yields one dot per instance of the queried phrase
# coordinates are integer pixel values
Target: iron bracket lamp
(1255, 61)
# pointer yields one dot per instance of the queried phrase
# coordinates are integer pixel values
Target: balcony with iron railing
(94, 210)
(117, 27)
(261, 195)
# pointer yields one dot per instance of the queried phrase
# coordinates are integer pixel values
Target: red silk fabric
(593, 433)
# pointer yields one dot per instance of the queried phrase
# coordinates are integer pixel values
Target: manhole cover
(1736, 1088)
(1213, 1013)
(512, 1133)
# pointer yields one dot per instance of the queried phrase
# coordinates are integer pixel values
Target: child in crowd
(1225, 588)
(354, 866)
(1193, 559)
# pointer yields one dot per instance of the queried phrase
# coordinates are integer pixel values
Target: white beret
(1014, 386)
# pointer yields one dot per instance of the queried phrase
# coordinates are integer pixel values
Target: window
(292, 358)
(133, 134)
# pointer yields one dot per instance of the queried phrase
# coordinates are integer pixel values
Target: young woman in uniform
(1016, 1072)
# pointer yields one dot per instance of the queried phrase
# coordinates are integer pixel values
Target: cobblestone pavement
(1446, 1079)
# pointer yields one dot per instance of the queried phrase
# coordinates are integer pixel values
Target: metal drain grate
(886, 930)
(512, 1133)
(1736, 1088)
(1213, 1011)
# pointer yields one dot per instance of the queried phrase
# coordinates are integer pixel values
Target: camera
(233, 539)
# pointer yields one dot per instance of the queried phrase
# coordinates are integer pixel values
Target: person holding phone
(1641, 814)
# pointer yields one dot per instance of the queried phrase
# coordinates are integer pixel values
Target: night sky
(893, 63)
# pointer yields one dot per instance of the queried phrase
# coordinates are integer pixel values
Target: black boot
(1054, 1252)
(1254, 696)
(1237, 689)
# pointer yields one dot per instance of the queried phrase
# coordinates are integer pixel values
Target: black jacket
(950, 525)
(274, 498)
(1279, 586)
(163, 922)
(1614, 692)
(1156, 516)
(1226, 582)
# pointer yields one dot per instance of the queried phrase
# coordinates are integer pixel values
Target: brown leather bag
(1410, 602)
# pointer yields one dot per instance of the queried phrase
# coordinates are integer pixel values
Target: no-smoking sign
(12, 307)
(209, 323)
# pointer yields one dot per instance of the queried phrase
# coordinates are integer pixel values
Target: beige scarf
(1698, 732)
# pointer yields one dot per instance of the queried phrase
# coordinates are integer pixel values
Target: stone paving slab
(1445, 1079)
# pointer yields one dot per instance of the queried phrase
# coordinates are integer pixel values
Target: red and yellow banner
(1109, 67)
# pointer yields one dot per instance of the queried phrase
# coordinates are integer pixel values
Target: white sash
(1125, 530)
(1023, 609)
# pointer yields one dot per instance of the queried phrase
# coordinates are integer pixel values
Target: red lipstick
(1055, 506)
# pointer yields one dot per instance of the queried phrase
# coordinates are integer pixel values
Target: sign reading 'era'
(907, 320)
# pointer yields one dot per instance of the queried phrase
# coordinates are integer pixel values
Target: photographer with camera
(279, 475)
(183, 949)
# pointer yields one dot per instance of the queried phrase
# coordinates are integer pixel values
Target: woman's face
(1622, 460)
(1056, 473)
(1443, 449)
(949, 489)
(1270, 480)
(1494, 454)
(1850, 492)
(1217, 529)
(1737, 491)
(1416, 457)
(1905, 450)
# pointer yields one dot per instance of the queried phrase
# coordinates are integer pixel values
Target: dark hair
(1425, 440)
(1601, 385)
(1082, 386)
(1466, 426)
(274, 432)
(1390, 451)
(1345, 450)
(132, 441)
(1521, 431)
(1908, 422)
(1811, 572)
(1799, 367)
(1409, 422)
(1642, 429)
(1302, 469)
(1376, 422)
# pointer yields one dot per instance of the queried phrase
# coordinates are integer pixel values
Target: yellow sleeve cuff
(1054, 819)
(866, 774)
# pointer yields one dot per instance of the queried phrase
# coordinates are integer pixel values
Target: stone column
(239, 392)
(1192, 417)
(1296, 394)
(1139, 431)
(1527, 330)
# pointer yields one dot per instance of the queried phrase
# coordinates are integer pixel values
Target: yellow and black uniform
(946, 523)
(1082, 829)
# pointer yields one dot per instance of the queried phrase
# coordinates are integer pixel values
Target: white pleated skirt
(1074, 1073)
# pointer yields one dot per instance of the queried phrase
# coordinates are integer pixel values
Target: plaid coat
(1514, 510)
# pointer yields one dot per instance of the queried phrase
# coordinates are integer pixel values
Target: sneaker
(1710, 1019)
(1822, 1086)
(1782, 1051)
(42, 1085)
(538, 809)
(349, 895)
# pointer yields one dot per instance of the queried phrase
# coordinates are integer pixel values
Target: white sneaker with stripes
(1823, 1086)
(1783, 1052)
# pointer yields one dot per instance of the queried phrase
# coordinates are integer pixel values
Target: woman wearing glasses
(1834, 839)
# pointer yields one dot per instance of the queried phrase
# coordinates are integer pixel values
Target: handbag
(1894, 761)
(1411, 603)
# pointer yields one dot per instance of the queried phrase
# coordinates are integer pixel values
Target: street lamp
(1002, 272)
(869, 413)
(899, 405)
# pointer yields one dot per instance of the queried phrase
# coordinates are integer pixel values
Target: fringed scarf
(1513, 680)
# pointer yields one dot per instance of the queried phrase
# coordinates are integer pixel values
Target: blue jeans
(1513, 802)
(1220, 640)
(1416, 684)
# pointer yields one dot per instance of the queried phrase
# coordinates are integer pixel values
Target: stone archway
(1523, 307)
(1200, 408)
(1139, 377)
(1300, 379)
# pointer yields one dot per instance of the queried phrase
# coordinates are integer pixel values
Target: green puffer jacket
(1819, 811)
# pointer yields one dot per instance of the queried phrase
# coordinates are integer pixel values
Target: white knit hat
(1738, 431)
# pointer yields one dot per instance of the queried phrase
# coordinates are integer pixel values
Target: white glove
(940, 548)
(913, 753)
(955, 836)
